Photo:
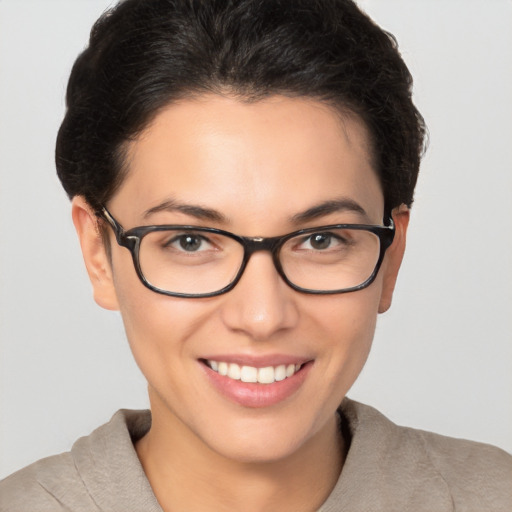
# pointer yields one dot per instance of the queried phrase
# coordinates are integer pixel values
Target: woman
(241, 175)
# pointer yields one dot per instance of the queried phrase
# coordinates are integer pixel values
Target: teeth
(223, 368)
(280, 372)
(266, 375)
(234, 371)
(248, 374)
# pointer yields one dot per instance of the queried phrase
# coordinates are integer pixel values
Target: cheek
(158, 321)
(157, 327)
(349, 319)
(347, 326)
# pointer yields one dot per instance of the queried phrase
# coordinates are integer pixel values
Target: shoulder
(46, 485)
(426, 468)
(101, 472)
(478, 475)
(463, 462)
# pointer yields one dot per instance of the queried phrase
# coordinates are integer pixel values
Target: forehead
(244, 159)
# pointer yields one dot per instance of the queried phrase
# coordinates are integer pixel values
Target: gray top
(387, 468)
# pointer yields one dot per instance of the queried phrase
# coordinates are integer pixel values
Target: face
(252, 169)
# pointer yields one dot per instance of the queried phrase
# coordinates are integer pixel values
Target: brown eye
(320, 240)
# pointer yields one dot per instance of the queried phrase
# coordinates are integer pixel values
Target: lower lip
(249, 394)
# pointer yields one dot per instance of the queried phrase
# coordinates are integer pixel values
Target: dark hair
(145, 54)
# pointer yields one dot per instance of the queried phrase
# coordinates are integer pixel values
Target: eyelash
(178, 238)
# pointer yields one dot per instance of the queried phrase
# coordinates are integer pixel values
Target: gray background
(442, 357)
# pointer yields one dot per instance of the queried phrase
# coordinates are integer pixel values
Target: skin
(258, 165)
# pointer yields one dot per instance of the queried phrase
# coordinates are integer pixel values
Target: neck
(178, 464)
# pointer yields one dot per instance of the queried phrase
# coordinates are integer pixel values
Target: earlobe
(394, 256)
(95, 255)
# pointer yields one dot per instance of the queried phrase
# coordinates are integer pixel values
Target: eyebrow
(203, 213)
(328, 207)
(199, 212)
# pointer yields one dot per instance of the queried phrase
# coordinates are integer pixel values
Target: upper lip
(258, 361)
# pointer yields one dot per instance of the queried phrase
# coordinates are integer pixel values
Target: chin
(269, 451)
(268, 440)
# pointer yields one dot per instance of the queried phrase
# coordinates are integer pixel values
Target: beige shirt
(388, 468)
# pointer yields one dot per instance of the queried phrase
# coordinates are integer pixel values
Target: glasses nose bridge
(254, 244)
(257, 244)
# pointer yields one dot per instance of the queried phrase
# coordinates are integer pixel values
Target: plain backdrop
(442, 357)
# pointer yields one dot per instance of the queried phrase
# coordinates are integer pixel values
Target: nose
(261, 304)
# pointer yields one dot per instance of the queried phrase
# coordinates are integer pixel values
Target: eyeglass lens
(195, 262)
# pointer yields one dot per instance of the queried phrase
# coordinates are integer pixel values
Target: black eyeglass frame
(131, 239)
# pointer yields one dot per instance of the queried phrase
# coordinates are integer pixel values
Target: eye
(189, 242)
(322, 241)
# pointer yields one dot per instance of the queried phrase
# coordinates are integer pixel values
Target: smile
(266, 375)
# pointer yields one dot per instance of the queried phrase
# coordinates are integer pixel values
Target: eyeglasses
(193, 262)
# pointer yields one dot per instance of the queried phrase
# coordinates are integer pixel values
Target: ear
(394, 256)
(96, 258)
